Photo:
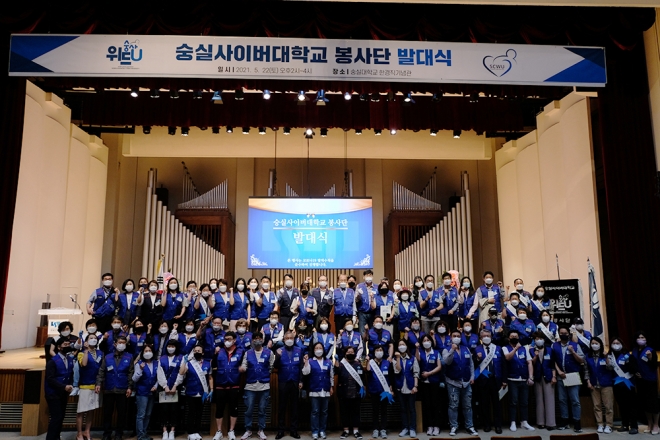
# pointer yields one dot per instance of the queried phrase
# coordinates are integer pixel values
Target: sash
(354, 375)
(512, 311)
(546, 331)
(523, 298)
(383, 382)
(484, 364)
(622, 377)
(539, 305)
(202, 378)
(204, 306)
(582, 338)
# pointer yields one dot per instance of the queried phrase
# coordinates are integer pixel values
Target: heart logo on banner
(500, 65)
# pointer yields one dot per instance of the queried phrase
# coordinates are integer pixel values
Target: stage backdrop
(564, 296)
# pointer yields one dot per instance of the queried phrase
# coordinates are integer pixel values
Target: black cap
(492, 311)
(578, 320)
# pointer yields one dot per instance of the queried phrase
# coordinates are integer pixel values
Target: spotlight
(239, 95)
(320, 98)
(246, 130)
(229, 129)
(457, 134)
(324, 132)
(309, 132)
(215, 130)
(358, 131)
(174, 94)
(146, 129)
(434, 132)
(217, 97)
(197, 94)
(155, 93)
(171, 131)
(409, 99)
(375, 97)
(301, 96)
(436, 97)
(378, 132)
(363, 97)
(474, 97)
(286, 131)
(393, 131)
(266, 94)
(185, 131)
(347, 96)
(134, 92)
(262, 130)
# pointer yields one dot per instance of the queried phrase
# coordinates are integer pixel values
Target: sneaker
(315, 436)
(600, 429)
(375, 434)
(436, 431)
(452, 432)
(607, 430)
(383, 433)
(247, 435)
(403, 433)
(357, 435)
(172, 435)
(262, 435)
(344, 434)
(231, 435)
(472, 431)
(413, 433)
(218, 435)
(527, 426)
(429, 431)
(321, 434)
(513, 428)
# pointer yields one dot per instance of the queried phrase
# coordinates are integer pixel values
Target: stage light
(378, 132)
(391, 97)
(457, 134)
(174, 94)
(229, 129)
(474, 97)
(134, 92)
(146, 129)
(436, 97)
(358, 131)
(266, 94)
(375, 97)
(171, 131)
(197, 94)
(301, 95)
(239, 95)
(434, 132)
(155, 93)
(393, 131)
(246, 130)
(262, 130)
(363, 97)
(217, 97)
(409, 99)
(203, 128)
(215, 130)
(324, 132)
(309, 131)
(286, 131)
(347, 96)
(320, 98)
(185, 131)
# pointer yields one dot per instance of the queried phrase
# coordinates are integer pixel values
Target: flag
(596, 318)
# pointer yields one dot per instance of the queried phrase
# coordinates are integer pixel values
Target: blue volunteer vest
(459, 369)
(344, 306)
(517, 365)
(135, 343)
(110, 340)
(428, 362)
(103, 306)
(267, 306)
(290, 365)
(386, 300)
(116, 375)
(89, 372)
(221, 308)
(643, 361)
(227, 374)
(493, 327)
(496, 365)
(239, 309)
(524, 329)
(599, 374)
(268, 332)
(193, 382)
(302, 309)
(385, 338)
(432, 300)
(171, 370)
(319, 376)
(304, 343)
(244, 341)
(173, 306)
(327, 339)
(566, 363)
(258, 372)
(536, 313)
(450, 300)
(365, 306)
(471, 341)
(498, 296)
(148, 380)
(464, 308)
(350, 341)
(406, 374)
(186, 347)
(374, 385)
(441, 345)
(211, 341)
(64, 374)
(585, 347)
(414, 339)
(543, 367)
(406, 316)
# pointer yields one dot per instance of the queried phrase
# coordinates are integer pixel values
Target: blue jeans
(464, 397)
(261, 398)
(319, 414)
(566, 394)
(363, 319)
(144, 406)
(408, 413)
(518, 397)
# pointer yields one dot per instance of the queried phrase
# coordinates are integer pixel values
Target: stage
(23, 359)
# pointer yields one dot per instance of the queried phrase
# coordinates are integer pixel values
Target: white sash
(200, 374)
(205, 306)
(539, 305)
(546, 331)
(491, 354)
(619, 372)
(524, 299)
(352, 372)
(379, 374)
(582, 338)
(511, 310)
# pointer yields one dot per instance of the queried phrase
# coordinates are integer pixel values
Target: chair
(587, 436)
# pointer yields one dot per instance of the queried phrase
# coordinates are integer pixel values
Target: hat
(492, 311)
(578, 320)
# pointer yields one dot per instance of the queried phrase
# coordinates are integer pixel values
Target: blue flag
(596, 318)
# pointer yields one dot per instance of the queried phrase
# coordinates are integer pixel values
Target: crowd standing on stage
(450, 345)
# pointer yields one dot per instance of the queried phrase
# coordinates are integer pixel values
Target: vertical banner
(564, 296)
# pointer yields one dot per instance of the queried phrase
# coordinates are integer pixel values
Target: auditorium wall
(547, 199)
(652, 48)
(58, 227)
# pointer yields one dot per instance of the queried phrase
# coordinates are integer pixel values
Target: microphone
(73, 300)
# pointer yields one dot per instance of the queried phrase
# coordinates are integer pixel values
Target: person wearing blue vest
(511, 307)
(459, 376)
(404, 311)
(406, 376)
(538, 304)
(429, 304)
(304, 337)
(325, 336)
(520, 376)
(646, 361)
(547, 328)
(198, 379)
(218, 301)
(109, 337)
(145, 377)
(258, 364)
(442, 336)
(580, 335)
(160, 339)
(115, 378)
(201, 304)
(212, 336)
(285, 297)
(490, 377)
(57, 386)
(130, 301)
(624, 385)
(569, 359)
(377, 384)
(88, 364)
(349, 338)
(545, 379)
(469, 339)
(449, 298)
(468, 309)
(323, 296)
(321, 387)
(243, 336)
(600, 382)
(174, 302)
(523, 326)
(190, 296)
(227, 384)
(273, 332)
(495, 326)
(364, 292)
(379, 336)
(524, 295)
(289, 362)
(350, 390)
(491, 292)
(414, 336)
(344, 300)
(65, 330)
(101, 303)
(430, 364)
(188, 338)
(383, 302)
(265, 301)
(304, 307)
(138, 338)
(169, 381)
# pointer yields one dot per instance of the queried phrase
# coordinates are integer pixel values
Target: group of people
(451, 346)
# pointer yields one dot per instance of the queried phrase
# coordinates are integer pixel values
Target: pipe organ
(299, 275)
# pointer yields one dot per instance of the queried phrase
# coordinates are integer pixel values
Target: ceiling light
(134, 93)
(434, 132)
(246, 130)
(358, 131)
(174, 94)
(320, 98)
(409, 99)
(262, 130)
(215, 130)
(286, 131)
(217, 97)
(378, 132)
(393, 131)
(457, 134)
(155, 93)
(266, 94)
(309, 131)
(324, 132)
(347, 96)
(171, 131)
(474, 97)
(229, 129)
(239, 95)
(146, 129)
(185, 131)
(197, 94)
(301, 95)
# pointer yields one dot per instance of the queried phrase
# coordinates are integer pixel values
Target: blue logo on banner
(500, 65)
(127, 54)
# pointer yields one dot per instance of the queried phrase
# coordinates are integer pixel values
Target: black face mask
(351, 284)
(304, 292)
(514, 341)
(350, 357)
(563, 337)
(144, 286)
(198, 356)
(138, 330)
(383, 290)
(66, 350)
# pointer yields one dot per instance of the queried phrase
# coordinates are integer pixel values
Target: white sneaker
(452, 432)
(262, 435)
(436, 431)
(472, 431)
(527, 426)
(231, 435)
(172, 435)
(608, 430)
(429, 431)
(600, 429)
(322, 434)
(166, 435)
(315, 436)
(218, 435)
(375, 434)
(403, 433)
(513, 427)
(383, 433)
(247, 435)
(413, 433)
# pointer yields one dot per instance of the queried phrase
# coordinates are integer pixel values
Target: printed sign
(564, 298)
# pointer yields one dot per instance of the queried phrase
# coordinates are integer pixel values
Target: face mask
(91, 330)
(563, 337)
(240, 287)
(397, 287)
(419, 284)
(254, 286)
(66, 350)
(304, 292)
(116, 326)
(522, 316)
(442, 330)
(66, 333)
(379, 355)
(273, 322)
(228, 344)
(217, 328)
(302, 329)
(222, 289)
(519, 286)
(486, 340)
(539, 342)
(429, 285)
(190, 328)
(288, 342)
(129, 288)
(426, 344)
(415, 327)
(383, 290)
(641, 342)
(351, 284)
(402, 348)
(206, 294)
(163, 330)
(198, 356)
(378, 325)
(92, 342)
(153, 289)
(617, 347)
(324, 327)
(349, 328)
(368, 280)
(404, 297)
(241, 330)
(488, 280)
(121, 347)
(107, 283)
(446, 282)
(171, 350)
(288, 283)
(265, 286)
(545, 319)
(579, 327)
(323, 284)
(515, 302)
(138, 330)
(173, 286)
(493, 317)
(213, 286)
(257, 344)
(467, 328)
(595, 347)
(540, 294)
(342, 285)
(147, 355)
(144, 286)
(350, 357)
(456, 341)
(318, 353)
(513, 341)
(466, 285)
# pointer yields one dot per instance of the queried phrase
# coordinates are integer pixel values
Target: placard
(564, 296)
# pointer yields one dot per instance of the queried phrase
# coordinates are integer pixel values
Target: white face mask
(265, 286)
(486, 340)
(641, 342)
(92, 342)
(342, 285)
(539, 342)
(217, 328)
(368, 279)
(206, 294)
(404, 297)
(545, 319)
(349, 328)
(515, 302)
(397, 287)
(488, 280)
(318, 353)
(467, 328)
(288, 283)
(427, 344)
(241, 287)
(379, 355)
(121, 347)
(190, 328)
(522, 316)
(173, 286)
(171, 350)
(163, 330)
(419, 284)
(107, 283)
(617, 347)
(147, 355)
(595, 347)
(466, 285)
(324, 327)
(442, 330)
(429, 285)
(228, 344)
(213, 286)
(288, 342)
(129, 288)
(254, 286)
(456, 341)
(65, 333)
(91, 330)
(241, 330)
(403, 348)
(415, 327)
(273, 322)
(540, 294)
(222, 289)
(378, 325)
(580, 327)
(323, 284)
(446, 282)
(519, 286)
(153, 289)
(115, 326)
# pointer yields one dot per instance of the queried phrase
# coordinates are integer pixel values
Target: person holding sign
(380, 390)
(430, 364)
(169, 381)
(624, 388)
(545, 378)
(489, 379)
(321, 382)
(460, 377)
(520, 378)
(199, 387)
(350, 390)
(647, 380)
(569, 359)
(600, 382)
